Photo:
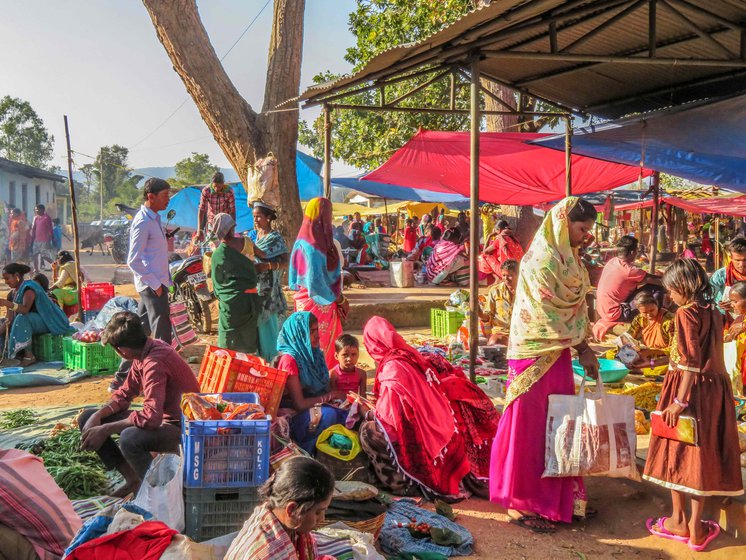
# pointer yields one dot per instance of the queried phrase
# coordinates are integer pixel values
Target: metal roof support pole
(654, 221)
(476, 120)
(568, 155)
(327, 152)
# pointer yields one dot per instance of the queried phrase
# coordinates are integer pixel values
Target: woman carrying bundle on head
(30, 312)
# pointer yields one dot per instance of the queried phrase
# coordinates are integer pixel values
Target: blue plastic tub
(226, 453)
(612, 371)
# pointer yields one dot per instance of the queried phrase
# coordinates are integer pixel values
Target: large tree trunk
(242, 133)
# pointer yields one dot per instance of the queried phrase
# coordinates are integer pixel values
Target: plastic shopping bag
(161, 490)
(591, 434)
(263, 181)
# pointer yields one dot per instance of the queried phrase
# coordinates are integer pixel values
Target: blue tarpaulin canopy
(399, 192)
(186, 201)
(703, 142)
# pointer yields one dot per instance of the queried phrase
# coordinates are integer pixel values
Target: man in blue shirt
(148, 260)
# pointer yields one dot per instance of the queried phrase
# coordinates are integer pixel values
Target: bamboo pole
(327, 152)
(654, 221)
(568, 155)
(476, 119)
(74, 210)
(717, 242)
(101, 186)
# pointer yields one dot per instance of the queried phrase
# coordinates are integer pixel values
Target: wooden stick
(74, 210)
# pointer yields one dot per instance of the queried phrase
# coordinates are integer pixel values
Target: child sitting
(346, 376)
(500, 303)
(651, 332)
(696, 386)
(296, 498)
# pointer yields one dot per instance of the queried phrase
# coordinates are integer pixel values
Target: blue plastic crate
(214, 512)
(226, 453)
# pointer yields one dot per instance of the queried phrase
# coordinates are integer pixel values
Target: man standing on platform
(216, 198)
(148, 260)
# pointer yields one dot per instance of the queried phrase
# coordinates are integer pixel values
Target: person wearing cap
(217, 198)
(148, 260)
(234, 281)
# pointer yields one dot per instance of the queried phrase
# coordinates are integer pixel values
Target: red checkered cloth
(216, 202)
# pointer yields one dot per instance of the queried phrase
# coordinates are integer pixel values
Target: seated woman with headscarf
(448, 261)
(65, 288)
(433, 427)
(307, 389)
(500, 246)
(30, 312)
(234, 283)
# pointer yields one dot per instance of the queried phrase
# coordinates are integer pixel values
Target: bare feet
(676, 528)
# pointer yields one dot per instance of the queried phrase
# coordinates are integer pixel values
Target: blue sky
(101, 63)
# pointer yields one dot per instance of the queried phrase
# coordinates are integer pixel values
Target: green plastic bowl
(612, 371)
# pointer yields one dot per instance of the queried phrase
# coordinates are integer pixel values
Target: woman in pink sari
(447, 263)
(502, 247)
(549, 317)
(316, 273)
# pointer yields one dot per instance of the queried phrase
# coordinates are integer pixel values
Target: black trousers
(135, 444)
(155, 313)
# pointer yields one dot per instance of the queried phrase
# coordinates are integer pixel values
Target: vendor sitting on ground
(620, 281)
(30, 312)
(425, 245)
(448, 262)
(729, 275)
(307, 389)
(161, 376)
(65, 288)
(500, 303)
(651, 331)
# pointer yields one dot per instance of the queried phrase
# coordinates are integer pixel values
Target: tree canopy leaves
(193, 170)
(23, 136)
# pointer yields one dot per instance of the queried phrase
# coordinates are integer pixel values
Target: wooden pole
(568, 155)
(101, 185)
(74, 210)
(476, 119)
(654, 221)
(717, 242)
(327, 152)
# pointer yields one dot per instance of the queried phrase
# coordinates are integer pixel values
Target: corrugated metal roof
(29, 170)
(704, 37)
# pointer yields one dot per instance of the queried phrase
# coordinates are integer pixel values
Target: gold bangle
(15, 307)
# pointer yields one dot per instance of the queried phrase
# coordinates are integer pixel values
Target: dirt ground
(618, 532)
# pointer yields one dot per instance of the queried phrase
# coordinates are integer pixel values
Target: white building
(24, 186)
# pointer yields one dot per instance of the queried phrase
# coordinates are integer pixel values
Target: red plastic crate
(95, 295)
(226, 371)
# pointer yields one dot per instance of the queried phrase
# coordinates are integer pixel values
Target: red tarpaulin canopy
(735, 206)
(510, 171)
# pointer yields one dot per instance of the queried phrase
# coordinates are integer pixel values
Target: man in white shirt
(148, 260)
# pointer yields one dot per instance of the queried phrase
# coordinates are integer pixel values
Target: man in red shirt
(162, 376)
(619, 283)
(42, 235)
(215, 199)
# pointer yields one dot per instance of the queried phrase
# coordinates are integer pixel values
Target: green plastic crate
(91, 357)
(444, 322)
(47, 347)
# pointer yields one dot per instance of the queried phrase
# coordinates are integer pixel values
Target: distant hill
(167, 172)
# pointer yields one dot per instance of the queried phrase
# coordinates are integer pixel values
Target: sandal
(713, 530)
(590, 513)
(535, 523)
(25, 362)
(657, 528)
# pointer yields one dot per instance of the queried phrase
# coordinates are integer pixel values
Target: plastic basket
(226, 371)
(94, 295)
(214, 512)
(47, 347)
(91, 357)
(444, 322)
(226, 453)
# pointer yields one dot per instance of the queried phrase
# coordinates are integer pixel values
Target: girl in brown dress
(696, 385)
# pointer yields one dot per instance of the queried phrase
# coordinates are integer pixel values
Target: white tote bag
(591, 434)
(161, 490)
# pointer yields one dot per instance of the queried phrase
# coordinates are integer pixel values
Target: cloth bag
(591, 434)
(161, 492)
(263, 181)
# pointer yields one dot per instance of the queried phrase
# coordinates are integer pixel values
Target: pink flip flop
(714, 531)
(662, 532)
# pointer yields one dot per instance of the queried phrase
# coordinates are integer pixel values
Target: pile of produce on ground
(80, 474)
(17, 418)
(644, 394)
(208, 407)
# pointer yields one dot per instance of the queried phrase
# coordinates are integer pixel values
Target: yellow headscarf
(550, 312)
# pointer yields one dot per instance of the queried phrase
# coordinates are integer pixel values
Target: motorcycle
(117, 241)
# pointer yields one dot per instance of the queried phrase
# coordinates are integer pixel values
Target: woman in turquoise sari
(271, 249)
(30, 312)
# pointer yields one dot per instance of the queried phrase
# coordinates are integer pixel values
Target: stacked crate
(93, 297)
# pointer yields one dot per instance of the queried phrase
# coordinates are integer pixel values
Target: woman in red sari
(504, 246)
(437, 426)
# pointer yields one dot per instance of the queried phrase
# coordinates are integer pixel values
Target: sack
(591, 434)
(263, 181)
(161, 490)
